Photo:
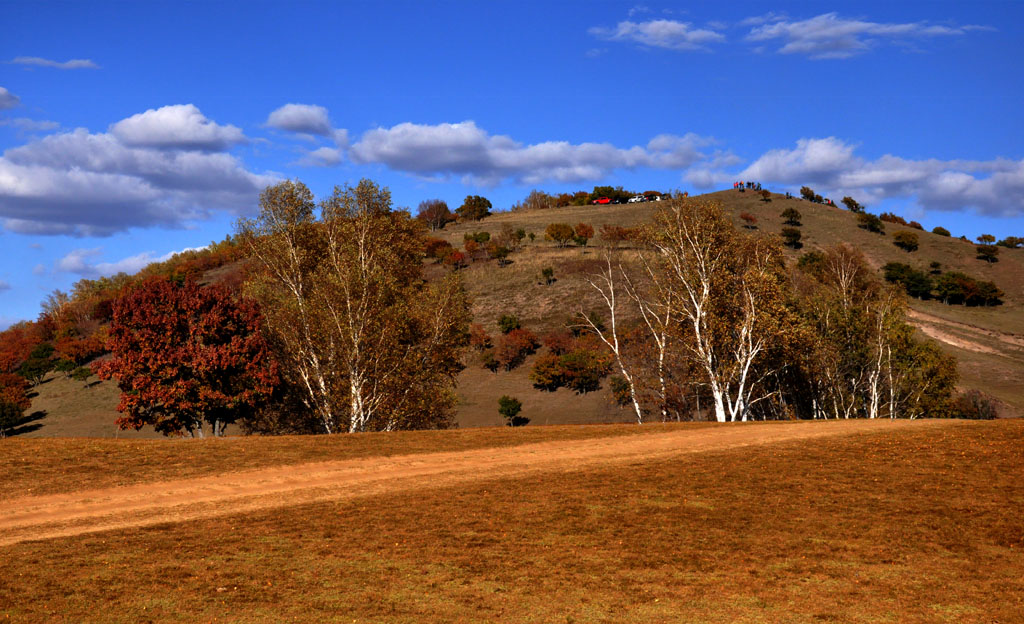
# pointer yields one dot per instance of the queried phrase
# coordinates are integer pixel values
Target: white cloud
(36, 61)
(8, 100)
(82, 262)
(181, 126)
(669, 34)
(30, 125)
(466, 150)
(993, 187)
(321, 157)
(84, 184)
(301, 118)
(829, 36)
(39, 269)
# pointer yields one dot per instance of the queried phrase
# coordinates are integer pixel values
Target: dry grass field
(917, 523)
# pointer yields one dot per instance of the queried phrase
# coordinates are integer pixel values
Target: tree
(916, 283)
(907, 241)
(941, 231)
(186, 358)
(560, 233)
(583, 233)
(852, 205)
(509, 409)
(479, 339)
(39, 363)
(791, 237)
(727, 294)
(539, 200)
(82, 373)
(473, 208)
(986, 239)
(870, 222)
(807, 193)
(508, 322)
(435, 213)
(513, 347)
(1011, 242)
(792, 216)
(766, 195)
(366, 341)
(988, 253)
(749, 220)
(13, 401)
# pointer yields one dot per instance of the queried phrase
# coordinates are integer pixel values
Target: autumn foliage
(187, 357)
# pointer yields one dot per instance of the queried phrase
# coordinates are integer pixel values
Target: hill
(987, 341)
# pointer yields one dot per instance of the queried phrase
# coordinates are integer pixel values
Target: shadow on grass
(27, 424)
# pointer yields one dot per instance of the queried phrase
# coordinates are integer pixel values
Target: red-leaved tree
(187, 357)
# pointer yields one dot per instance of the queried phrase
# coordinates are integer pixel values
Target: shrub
(477, 237)
(1011, 242)
(906, 241)
(614, 234)
(974, 405)
(456, 260)
(437, 248)
(807, 193)
(479, 339)
(916, 225)
(499, 253)
(620, 391)
(508, 322)
(941, 231)
(558, 341)
(560, 233)
(791, 237)
(489, 361)
(792, 216)
(852, 205)
(958, 288)
(509, 409)
(548, 275)
(580, 370)
(870, 222)
(749, 220)
(889, 217)
(766, 195)
(988, 253)
(546, 373)
(583, 233)
(514, 346)
(916, 283)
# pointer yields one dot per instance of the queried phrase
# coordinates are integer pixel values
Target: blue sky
(132, 130)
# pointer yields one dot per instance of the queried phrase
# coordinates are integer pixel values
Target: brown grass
(49, 466)
(915, 525)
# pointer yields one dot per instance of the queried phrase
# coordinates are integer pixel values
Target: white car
(636, 199)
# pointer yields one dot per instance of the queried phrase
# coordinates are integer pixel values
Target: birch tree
(373, 346)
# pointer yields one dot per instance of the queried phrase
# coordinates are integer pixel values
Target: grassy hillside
(988, 342)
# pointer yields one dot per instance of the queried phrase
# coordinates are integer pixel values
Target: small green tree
(65, 366)
(509, 409)
(474, 208)
(791, 237)
(792, 216)
(508, 322)
(907, 241)
(548, 274)
(82, 373)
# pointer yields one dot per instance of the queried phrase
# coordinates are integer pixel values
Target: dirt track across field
(87, 511)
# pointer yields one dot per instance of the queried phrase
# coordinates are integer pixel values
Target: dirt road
(60, 515)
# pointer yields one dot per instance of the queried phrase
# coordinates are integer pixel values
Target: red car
(602, 200)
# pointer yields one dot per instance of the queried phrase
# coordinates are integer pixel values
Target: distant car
(602, 200)
(636, 199)
(653, 198)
